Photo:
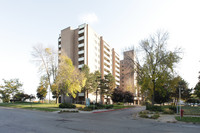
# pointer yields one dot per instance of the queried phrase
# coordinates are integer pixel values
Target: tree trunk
(56, 100)
(96, 96)
(87, 93)
(153, 95)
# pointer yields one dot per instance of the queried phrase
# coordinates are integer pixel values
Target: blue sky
(25, 23)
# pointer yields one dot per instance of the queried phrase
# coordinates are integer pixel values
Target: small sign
(87, 102)
(81, 94)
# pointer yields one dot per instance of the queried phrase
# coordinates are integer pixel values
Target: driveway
(121, 121)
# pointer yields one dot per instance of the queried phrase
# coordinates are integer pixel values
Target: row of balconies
(81, 46)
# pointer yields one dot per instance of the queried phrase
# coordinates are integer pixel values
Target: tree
(20, 96)
(129, 85)
(42, 88)
(55, 91)
(118, 95)
(10, 88)
(47, 62)
(96, 77)
(197, 89)
(128, 97)
(107, 85)
(180, 84)
(110, 85)
(69, 79)
(4, 96)
(162, 96)
(31, 97)
(88, 84)
(158, 62)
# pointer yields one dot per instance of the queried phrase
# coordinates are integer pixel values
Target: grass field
(36, 106)
(121, 106)
(190, 110)
(46, 106)
(188, 119)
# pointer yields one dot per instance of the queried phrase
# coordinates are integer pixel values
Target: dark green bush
(120, 103)
(67, 105)
(109, 106)
(86, 109)
(168, 111)
(153, 108)
(100, 106)
(155, 116)
(173, 108)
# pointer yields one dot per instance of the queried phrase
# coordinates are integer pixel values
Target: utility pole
(180, 100)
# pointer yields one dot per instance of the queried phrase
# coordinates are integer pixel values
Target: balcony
(81, 26)
(117, 64)
(81, 45)
(81, 59)
(81, 31)
(81, 52)
(81, 38)
(80, 66)
(106, 57)
(117, 83)
(106, 66)
(106, 61)
(117, 74)
(59, 39)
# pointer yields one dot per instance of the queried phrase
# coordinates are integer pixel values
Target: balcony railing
(81, 45)
(81, 59)
(81, 52)
(80, 38)
(80, 66)
(81, 26)
(81, 31)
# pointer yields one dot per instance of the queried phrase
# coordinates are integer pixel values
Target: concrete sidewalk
(167, 118)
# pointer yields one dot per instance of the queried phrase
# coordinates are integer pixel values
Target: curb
(109, 110)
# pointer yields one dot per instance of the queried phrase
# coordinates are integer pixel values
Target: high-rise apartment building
(128, 75)
(84, 46)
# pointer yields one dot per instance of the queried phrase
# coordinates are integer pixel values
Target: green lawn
(47, 107)
(36, 106)
(190, 110)
(188, 119)
(121, 106)
(33, 106)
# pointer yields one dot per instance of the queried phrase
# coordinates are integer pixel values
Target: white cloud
(89, 18)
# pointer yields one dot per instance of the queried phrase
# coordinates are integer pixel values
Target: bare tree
(155, 62)
(47, 61)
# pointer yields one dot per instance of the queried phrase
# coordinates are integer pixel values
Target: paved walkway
(167, 118)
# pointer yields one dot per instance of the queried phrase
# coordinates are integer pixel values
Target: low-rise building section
(128, 75)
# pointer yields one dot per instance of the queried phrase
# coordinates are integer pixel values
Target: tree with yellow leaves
(69, 79)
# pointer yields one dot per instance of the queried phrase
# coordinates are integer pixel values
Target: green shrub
(120, 103)
(153, 108)
(69, 111)
(100, 106)
(155, 116)
(67, 105)
(173, 108)
(168, 111)
(86, 109)
(144, 116)
(109, 106)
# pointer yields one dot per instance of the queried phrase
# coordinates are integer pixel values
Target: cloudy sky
(25, 23)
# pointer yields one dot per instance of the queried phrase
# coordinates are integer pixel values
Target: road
(121, 121)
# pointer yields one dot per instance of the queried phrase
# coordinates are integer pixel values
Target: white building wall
(93, 50)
